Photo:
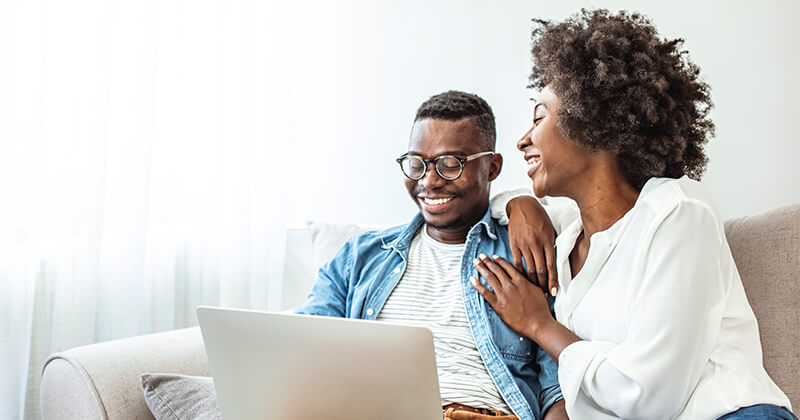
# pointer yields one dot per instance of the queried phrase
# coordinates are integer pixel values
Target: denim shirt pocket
(512, 346)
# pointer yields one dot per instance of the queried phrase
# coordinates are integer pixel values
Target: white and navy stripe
(429, 294)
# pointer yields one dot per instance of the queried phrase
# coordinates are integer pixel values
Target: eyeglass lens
(447, 166)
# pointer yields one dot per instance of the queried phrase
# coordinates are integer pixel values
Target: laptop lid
(285, 366)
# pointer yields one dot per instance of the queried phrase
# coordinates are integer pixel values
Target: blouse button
(397, 270)
(370, 312)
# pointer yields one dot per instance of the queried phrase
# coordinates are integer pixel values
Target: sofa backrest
(766, 249)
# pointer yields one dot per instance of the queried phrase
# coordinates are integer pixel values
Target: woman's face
(555, 163)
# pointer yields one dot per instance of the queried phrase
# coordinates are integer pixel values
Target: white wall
(357, 70)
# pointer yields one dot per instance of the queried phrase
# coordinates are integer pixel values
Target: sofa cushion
(176, 397)
(766, 249)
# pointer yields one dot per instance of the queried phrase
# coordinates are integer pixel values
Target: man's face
(460, 203)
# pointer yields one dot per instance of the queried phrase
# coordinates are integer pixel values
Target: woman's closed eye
(539, 112)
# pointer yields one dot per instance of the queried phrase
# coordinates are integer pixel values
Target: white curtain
(142, 172)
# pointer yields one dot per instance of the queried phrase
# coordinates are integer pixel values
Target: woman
(652, 317)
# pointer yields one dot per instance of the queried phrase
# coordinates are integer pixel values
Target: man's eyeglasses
(447, 166)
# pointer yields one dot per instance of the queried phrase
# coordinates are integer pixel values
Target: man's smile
(434, 204)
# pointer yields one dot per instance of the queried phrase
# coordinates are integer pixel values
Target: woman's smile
(533, 160)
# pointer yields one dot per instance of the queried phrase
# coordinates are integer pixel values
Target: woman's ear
(495, 166)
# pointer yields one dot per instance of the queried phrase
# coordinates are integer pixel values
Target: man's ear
(495, 166)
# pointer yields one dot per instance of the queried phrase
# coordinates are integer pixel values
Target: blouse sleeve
(500, 201)
(674, 315)
(561, 213)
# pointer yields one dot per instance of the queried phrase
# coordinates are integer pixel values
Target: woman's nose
(525, 141)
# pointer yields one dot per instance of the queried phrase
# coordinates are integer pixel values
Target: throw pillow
(178, 397)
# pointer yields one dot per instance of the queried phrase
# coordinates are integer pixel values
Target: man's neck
(448, 235)
(457, 234)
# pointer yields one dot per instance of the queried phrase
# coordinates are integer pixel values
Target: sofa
(101, 381)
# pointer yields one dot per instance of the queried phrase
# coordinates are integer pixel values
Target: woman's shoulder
(664, 195)
(680, 205)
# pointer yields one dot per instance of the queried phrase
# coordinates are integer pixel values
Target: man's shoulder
(497, 228)
(363, 241)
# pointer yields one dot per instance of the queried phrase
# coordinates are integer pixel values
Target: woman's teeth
(436, 201)
(533, 162)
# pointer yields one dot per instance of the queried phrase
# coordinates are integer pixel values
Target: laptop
(285, 367)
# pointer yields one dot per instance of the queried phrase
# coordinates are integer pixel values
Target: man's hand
(532, 238)
(557, 411)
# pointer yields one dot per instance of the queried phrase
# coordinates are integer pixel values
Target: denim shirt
(359, 279)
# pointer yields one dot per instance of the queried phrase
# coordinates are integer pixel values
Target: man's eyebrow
(449, 152)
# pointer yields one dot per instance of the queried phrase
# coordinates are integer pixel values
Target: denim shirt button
(397, 270)
(370, 312)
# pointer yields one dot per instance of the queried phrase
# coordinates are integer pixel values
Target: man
(419, 273)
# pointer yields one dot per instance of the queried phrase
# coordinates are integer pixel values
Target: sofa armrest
(101, 381)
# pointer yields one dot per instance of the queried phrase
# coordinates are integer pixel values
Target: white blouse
(667, 331)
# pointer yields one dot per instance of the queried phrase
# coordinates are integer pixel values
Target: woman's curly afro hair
(624, 90)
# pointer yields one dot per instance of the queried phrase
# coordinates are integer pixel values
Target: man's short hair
(454, 105)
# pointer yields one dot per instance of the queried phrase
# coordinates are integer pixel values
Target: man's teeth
(436, 201)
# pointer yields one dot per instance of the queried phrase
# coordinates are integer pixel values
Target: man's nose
(525, 141)
(432, 179)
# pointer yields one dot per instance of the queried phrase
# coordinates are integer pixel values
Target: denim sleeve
(328, 297)
(548, 375)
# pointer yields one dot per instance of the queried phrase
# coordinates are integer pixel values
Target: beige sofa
(101, 381)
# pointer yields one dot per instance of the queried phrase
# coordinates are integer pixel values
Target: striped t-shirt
(429, 294)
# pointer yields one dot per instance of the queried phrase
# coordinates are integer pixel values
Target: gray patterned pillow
(179, 397)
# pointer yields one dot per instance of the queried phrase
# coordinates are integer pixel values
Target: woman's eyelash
(535, 120)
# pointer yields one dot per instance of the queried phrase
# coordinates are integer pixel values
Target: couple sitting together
(634, 310)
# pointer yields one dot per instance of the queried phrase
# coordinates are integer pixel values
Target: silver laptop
(286, 367)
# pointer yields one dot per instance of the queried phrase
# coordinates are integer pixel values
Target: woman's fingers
(483, 291)
(505, 275)
(552, 273)
(530, 264)
(516, 254)
(541, 268)
(503, 264)
(486, 273)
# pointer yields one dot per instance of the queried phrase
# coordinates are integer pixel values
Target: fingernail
(476, 261)
(483, 256)
(553, 291)
(495, 257)
(473, 280)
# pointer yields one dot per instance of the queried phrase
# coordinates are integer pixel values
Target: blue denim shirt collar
(403, 241)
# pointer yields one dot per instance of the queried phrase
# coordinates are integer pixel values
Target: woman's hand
(520, 303)
(532, 238)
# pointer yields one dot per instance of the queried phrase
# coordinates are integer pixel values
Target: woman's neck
(604, 198)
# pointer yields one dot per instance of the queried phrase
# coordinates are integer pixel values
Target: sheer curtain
(141, 172)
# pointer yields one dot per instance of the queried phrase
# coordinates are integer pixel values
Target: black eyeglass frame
(435, 161)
